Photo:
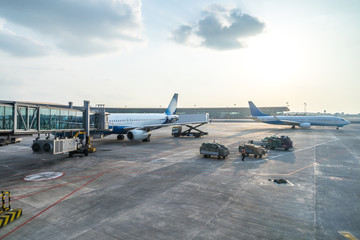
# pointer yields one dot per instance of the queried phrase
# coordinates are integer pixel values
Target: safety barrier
(7, 215)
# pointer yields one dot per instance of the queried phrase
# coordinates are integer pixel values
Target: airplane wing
(184, 119)
(150, 127)
(287, 121)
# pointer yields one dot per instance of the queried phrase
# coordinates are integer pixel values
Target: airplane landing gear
(293, 127)
(120, 137)
(146, 139)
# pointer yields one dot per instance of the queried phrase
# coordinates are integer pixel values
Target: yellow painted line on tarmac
(348, 235)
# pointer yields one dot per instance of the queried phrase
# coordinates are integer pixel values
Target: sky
(137, 53)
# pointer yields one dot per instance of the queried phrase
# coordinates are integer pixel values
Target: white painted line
(290, 183)
(351, 152)
(163, 158)
(43, 176)
(298, 150)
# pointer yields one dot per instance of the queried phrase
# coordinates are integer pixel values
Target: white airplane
(137, 126)
(301, 121)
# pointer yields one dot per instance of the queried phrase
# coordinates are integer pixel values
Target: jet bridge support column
(88, 146)
(87, 119)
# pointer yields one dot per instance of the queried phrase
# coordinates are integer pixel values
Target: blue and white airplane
(301, 121)
(137, 126)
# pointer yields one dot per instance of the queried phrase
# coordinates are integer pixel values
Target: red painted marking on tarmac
(79, 176)
(118, 164)
(307, 166)
(107, 169)
(44, 186)
(62, 199)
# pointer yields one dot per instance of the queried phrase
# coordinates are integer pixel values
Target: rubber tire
(36, 147)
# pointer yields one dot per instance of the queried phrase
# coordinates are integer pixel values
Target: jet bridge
(63, 121)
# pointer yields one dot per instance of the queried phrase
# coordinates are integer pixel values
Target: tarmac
(164, 189)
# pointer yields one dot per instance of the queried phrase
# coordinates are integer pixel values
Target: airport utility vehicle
(214, 149)
(274, 142)
(257, 151)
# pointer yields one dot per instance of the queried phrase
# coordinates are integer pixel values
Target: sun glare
(274, 57)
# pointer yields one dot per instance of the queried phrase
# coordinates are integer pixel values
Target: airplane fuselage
(119, 123)
(313, 120)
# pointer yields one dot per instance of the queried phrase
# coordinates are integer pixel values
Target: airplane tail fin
(172, 105)
(255, 112)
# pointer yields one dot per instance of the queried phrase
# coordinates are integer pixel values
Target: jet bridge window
(64, 117)
(45, 118)
(9, 117)
(22, 118)
(6, 117)
(2, 117)
(33, 119)
(71, 119)
(93, 120)
(55, 118)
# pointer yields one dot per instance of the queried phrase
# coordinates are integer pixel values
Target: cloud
(78, 27)
(182, 34)
(20, 46)
(221, 28)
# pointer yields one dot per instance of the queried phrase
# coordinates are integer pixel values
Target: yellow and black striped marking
(5, 208)
(9, 216)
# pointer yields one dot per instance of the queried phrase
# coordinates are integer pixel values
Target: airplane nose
(348, 122)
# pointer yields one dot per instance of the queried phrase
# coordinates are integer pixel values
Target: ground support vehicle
(83, 148)
(9, 140)
(192, 131)
(214, 149)
(274, 142)
(257, 151)
(73, 145)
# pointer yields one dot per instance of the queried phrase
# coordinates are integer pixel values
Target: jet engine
(135, 135)
(172, 118)
(304, 125)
